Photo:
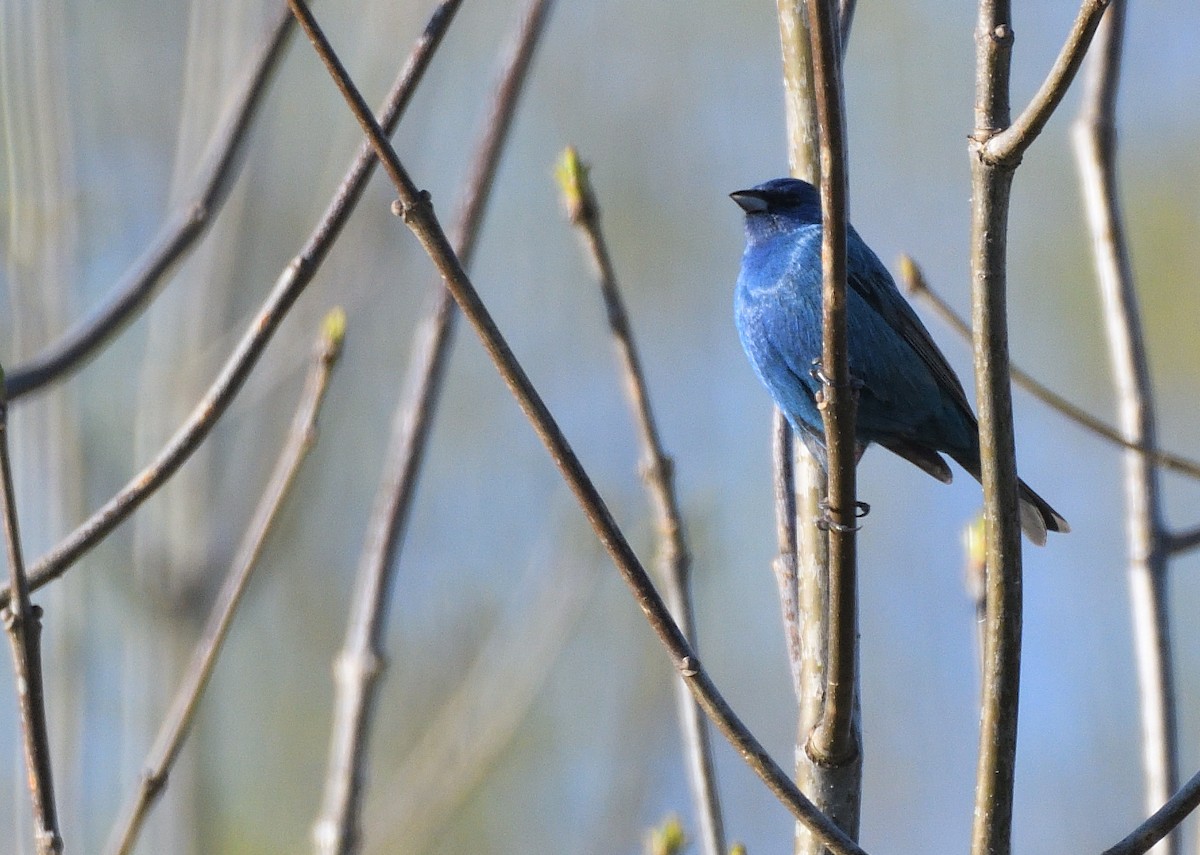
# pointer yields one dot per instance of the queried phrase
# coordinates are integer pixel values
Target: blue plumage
(910, 400)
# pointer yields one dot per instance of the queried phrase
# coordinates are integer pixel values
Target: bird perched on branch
(910, 400)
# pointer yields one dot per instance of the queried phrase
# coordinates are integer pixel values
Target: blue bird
(910, 400)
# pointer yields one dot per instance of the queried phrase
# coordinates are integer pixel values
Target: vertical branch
(360, 663)
(1094, 137)
(1002, 644)
(799, 567)
(23, 622)
(658, 469)
(803, 568)
(833, 741)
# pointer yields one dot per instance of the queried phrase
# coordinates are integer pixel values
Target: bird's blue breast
(777, 310)
(777, 307)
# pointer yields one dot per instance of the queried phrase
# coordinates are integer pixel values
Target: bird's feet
(817, 372)
(826, 522)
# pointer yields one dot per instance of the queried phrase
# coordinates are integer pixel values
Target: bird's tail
(1037, 517)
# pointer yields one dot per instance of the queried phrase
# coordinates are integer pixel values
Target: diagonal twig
(415, 208)
(175, 238)
(1162, 822)
(1182, 541)
(658, 470)
(23, 621)
(291, 283)
(1007, 146)
(913, 279)
(359, 665)
(178, 722)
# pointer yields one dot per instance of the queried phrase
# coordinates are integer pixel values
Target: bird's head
(781, 204)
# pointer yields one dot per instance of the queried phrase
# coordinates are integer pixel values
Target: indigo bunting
(910, 400)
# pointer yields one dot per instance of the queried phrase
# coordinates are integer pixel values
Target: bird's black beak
(750, 201)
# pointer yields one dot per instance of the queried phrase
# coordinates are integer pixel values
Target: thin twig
(1007, 146)
(1163, 822)
(913, 279)
(833, 741)
(178, 722)
(414, 207)
(23, 621)
(360, 663)
(1094, 136)
(658, 469)
(995, 774)
(291, 283)
(186, 224)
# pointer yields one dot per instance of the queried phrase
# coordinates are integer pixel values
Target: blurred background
(526, 706)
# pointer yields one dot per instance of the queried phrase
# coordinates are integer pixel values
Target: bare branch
(802, 568)
(1094, 136)
(1163, 822)
(788, 457)
(833, 741)
(360, 664)
(658, 469)
(1183, 541)
(995, 775)
(23, 621)
(291, 283)
(414, 207)
(178, 722)
(176, 236)
(1007, 146)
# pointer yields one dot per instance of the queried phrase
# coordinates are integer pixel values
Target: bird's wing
(871, 281)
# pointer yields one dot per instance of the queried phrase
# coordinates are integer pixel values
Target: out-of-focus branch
(23, 621)
(1163, 821)
(845, 20)
(1182, 541)
(913, 279)
(795, 470)
(176, 236)
(784, 565)
(482, 716)
(414, 207)
(360, 663)
(1094, 136)
(178, 722)
(1007, 146)
(291, 283)
(659, 471)
(995, 775)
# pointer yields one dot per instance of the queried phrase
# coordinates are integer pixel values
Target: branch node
(409, 212)
(689, 666)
